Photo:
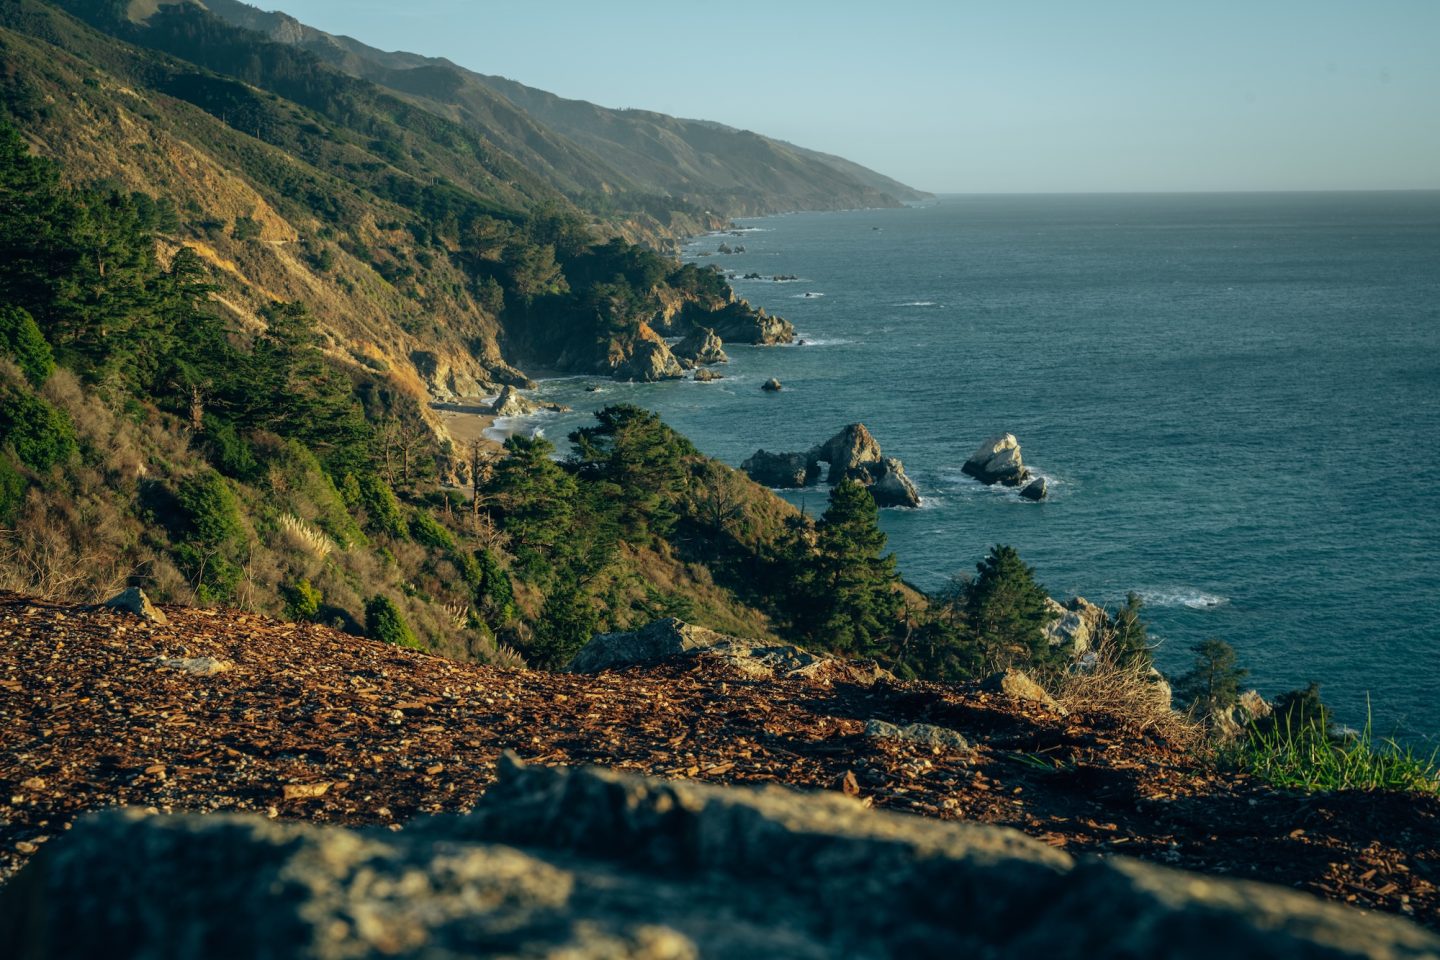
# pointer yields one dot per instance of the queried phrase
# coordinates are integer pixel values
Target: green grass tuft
(1306, 757)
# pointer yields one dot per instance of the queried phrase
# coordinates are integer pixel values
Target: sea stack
(997, 460)
(771, 386)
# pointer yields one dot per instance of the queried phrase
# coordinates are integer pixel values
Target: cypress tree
(1007, 611)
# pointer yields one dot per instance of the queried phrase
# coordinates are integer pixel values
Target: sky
(1001, 96)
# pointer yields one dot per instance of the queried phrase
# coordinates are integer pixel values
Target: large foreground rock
(590, 863)
(757, 659)
(998, 460)
(511, 404)
(738, 322)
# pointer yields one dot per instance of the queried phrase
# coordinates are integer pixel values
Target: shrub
(383, 621)
(245, 228)
(1212, 685)
(12, 490)
(20, 338)
(428, 531)
(302, 600)
(381, 508)
(40, 434)
(210, 507)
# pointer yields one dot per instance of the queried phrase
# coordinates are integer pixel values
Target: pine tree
(1212, 685)
(1008, 613)
(845, 598)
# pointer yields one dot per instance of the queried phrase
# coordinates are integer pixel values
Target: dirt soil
(300, 721)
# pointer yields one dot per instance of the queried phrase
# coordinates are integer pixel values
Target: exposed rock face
(443, 379)
(772, 385)
(511, 404)
(852, 454)
(705, 376)
(649, 361)
(700, 347)
(619, 866)
(752, 658)
(923, 733)
(1037, 489)
(997, 460)
(133, 600)
(849, 453)
(1014, 683)
(782, 470)
(1075, 627)
(738, 322)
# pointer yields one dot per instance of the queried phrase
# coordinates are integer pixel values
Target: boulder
(997, 460)
(700, 347)
(511, 404)
(925, 734)
(1036, 489)
(1018, 686)
(706, 376)
(772, 385)
(197, 666)
(1075, 627)
(757, 659)
(134, 601)
(586, 863)
(781, 470)
(891, 487)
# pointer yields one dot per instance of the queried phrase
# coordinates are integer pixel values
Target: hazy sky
(961, 96)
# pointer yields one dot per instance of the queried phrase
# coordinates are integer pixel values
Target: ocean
(1235, 397)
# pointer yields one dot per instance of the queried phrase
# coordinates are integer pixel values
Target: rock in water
(705, 376)
(849, 453)
(134, 601)
(781, 470)
(702, 346)
(852, 454)
(511, 404)
(772, 385)
(587, 863)
(650, 360)
(891, 488)
(1036, 489)
(998, 461)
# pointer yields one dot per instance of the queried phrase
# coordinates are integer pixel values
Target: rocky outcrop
(772, 386)
(738, 322)
(756, 659)
(890, 486)
(1075, 627)
(588, 863)
(647, 361)
(700, 347)
(703, 375)
(781, 470)
(852, 454)
(511, 404)
(133, 600)
(997, 460)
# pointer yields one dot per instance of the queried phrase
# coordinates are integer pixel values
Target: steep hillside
(224, 711)
(610, 161)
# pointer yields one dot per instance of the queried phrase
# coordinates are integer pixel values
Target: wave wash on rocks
(616, 865)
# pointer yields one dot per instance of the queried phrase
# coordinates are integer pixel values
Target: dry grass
(1128, 689)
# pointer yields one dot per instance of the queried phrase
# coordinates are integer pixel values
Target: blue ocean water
(1236, 399)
